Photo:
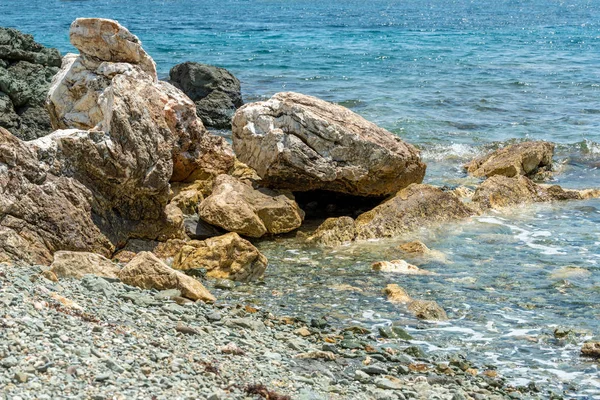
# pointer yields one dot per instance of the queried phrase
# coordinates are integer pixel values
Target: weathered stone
(396, 294)
(333, 232)
(422, 309)
(76, 264)
(499, 192)
(236, 207)
(26, 70)
(146, 271)
(215, 91)
(591, 349)
(399, 267)
(302, 143)
(223, 257)
(411, 208)
(420, 252)
(518, 159)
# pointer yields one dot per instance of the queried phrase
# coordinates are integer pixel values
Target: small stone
(9, 362)
(21, 377)
(374, 370)
(389, 383)
(102, 377)
(224, 284)
(361, 376)
(304, 332)
(214, 316)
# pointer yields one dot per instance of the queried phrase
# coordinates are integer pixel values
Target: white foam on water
(475, 336)
(519, 332)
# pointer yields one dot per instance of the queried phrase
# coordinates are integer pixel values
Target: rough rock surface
(591, 349)
(411, 208)
(236, 207)
(525, 158)
(302, 143)
(26, 70)
(215, 91)
(223, 257)
(146, 271)
(86, 190)
(333, 232)
(399, 267)
(76, 264)
(422, 309)
(419, 251)
(500, 192)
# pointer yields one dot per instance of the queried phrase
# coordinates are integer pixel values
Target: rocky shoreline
(98, 338)
(112, 225)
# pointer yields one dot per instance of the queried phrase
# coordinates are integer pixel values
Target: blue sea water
(455, 78)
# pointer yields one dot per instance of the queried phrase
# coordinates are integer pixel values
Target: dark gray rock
(215, 91)
(26, 71)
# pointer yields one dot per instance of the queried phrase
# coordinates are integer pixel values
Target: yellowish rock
(76, 264)
(399, 267)
(396, 294)
(146, 271)
(570, 272)
(223, 257)
(334, 232)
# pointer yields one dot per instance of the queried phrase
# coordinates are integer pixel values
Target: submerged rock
(422, 309)
(215, 91)
(333, 232)
(411, 208)
(419, 250)
(146, 271)
(223, 257)
(302, 143)
(399, 267)
(76, 264)
(518, 159)
(26, 70)
(237, 207)
(500, 192)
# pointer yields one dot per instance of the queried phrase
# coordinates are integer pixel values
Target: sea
(456, 78)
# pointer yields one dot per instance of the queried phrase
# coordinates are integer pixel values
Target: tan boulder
(410, 209)
(418, 250)
(333, 232)
(399, 267)
(525, 158)
(500, 192)
(422, 309)
(223, 257)
(236, 207)
(302, 143)
(146, 271)
(591, 349)
(76, 264)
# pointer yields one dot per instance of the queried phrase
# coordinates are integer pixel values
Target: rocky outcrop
(87, 190)
(399, 267)
(410, 209)
(333, 232)
(215, 91)
(146, 271)
(223, 257)
(422, 309)
(26, 70)
(75, 264)
(527, 158)
(237, 207)
(500, 192)
(302, 143)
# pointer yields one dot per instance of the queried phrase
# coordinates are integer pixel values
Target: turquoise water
(456, 78)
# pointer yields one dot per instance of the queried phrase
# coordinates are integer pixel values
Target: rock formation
(302, 143)
(236, 207)
(526, 158)
(146, 271)
(334, 232)
(76, 264)
(411, 208)
(223, 257)
(215, 91)
(26, 69)
(107, 180)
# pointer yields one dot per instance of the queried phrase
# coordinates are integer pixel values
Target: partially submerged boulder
(525, 158)
(237, 207)
(215, 91)
(419, 251)
(146, 271)
(26, 70)
(302, 143)
(591, 349)
(76, 264)
(399, 267)
(223, 257)
(500, 192)
(422, 309)
(333, 232)
(410, 209)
